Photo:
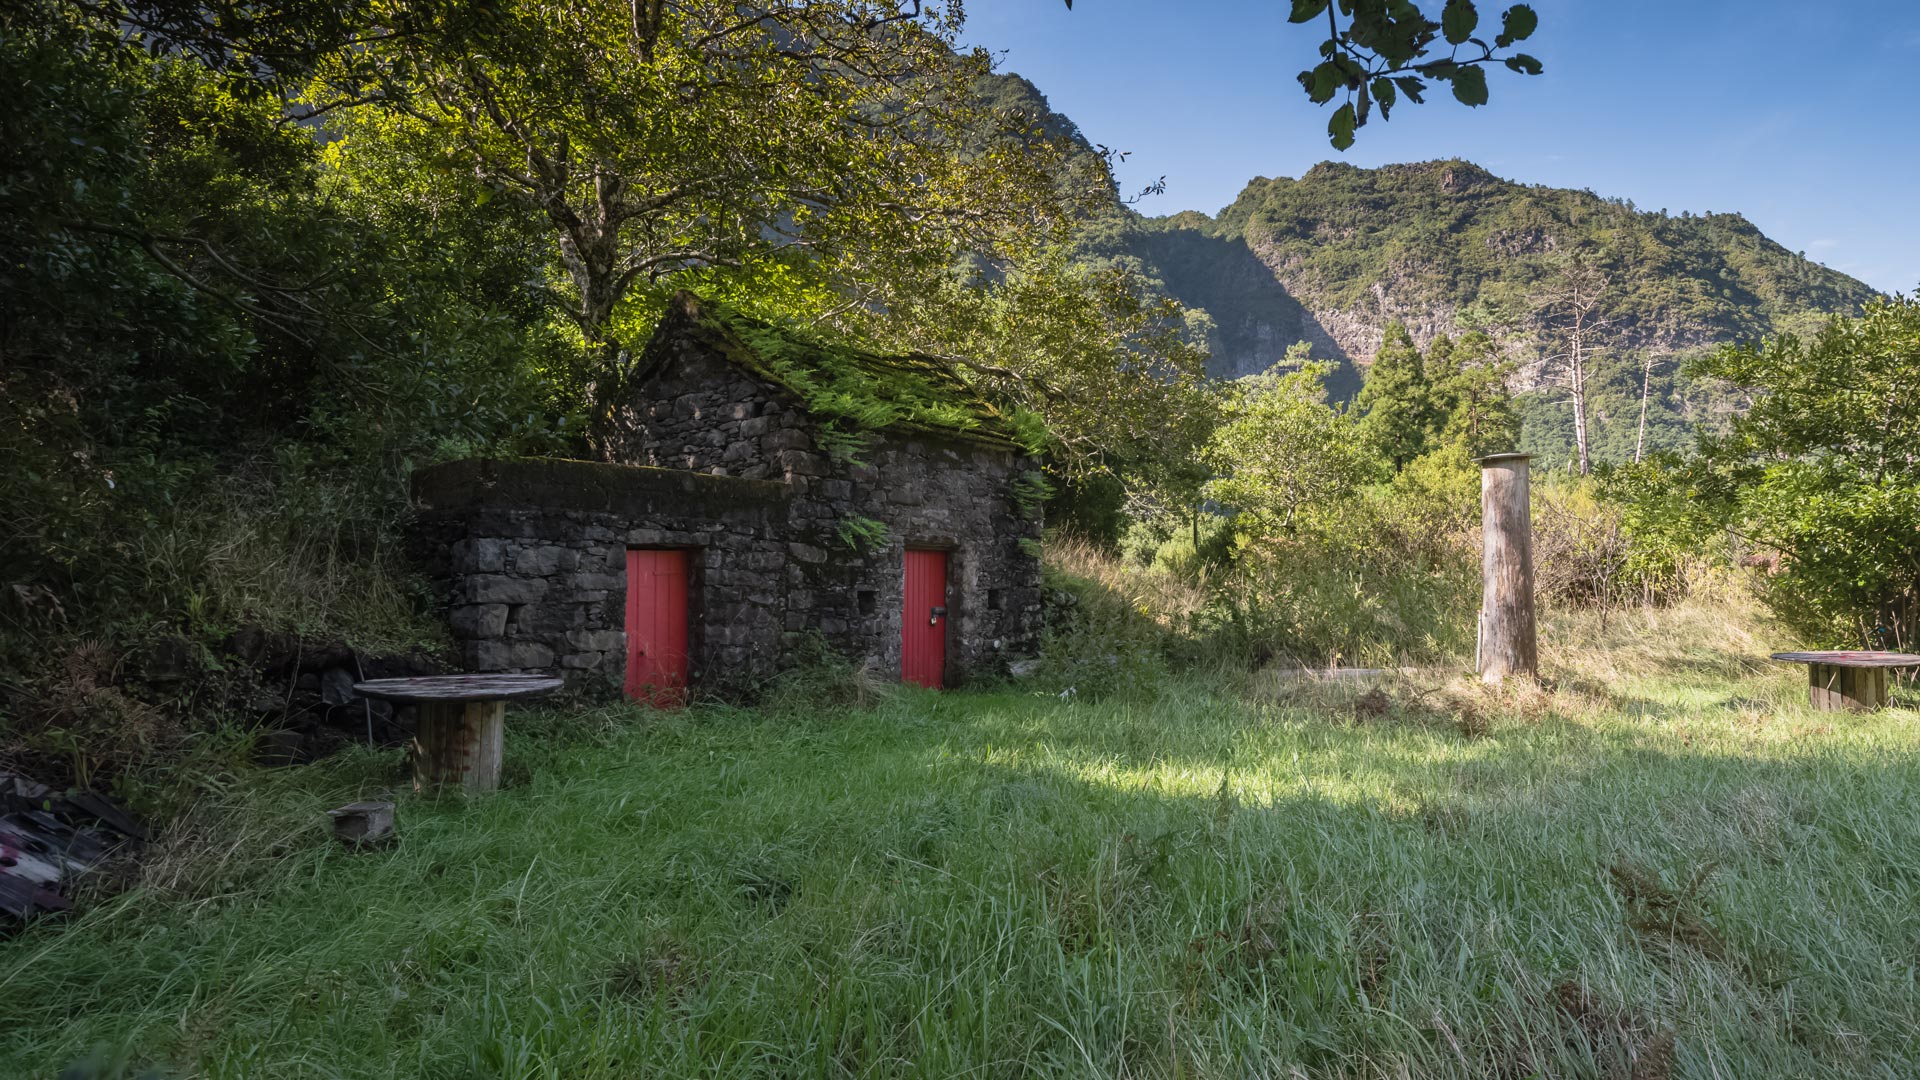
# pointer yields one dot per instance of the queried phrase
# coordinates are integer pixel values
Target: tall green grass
(1666, 866)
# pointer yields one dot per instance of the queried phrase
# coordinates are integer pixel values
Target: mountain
(1335, 256)
(1354, 249)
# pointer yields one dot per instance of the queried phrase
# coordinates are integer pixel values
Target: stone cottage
(763, 495)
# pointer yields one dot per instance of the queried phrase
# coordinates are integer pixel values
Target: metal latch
(934, 615)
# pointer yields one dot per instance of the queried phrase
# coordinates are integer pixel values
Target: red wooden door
(657, 626)
(923, 626)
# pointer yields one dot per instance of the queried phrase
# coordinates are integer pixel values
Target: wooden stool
(1848, 680)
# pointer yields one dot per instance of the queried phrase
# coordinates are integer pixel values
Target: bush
(1371, 593)
(1112, 627)
(1818, 478)
(1584, 556)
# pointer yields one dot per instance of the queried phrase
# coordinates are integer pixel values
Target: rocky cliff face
(1256, 318)
(1333, 257)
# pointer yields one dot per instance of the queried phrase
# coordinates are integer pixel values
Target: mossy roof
(850, 390)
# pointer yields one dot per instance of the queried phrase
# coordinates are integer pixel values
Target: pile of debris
(305, 702)
(48, 840)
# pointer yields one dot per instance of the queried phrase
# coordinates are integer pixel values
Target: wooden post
(459, 743)
(1838, 688)
(1508, 645)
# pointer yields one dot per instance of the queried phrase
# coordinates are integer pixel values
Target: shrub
(1371, 593)
(1818, 479)
(1112, 628)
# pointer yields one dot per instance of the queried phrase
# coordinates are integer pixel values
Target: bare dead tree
(1671, 333)
(1572, 302)
(1646, 385)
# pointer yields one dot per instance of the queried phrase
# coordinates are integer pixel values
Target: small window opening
(993, 599)
(869, 601)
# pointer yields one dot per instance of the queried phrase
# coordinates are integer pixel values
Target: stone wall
(694, 410)
(530, 557)
(925, 493)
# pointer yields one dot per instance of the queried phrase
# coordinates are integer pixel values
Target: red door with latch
(657, 626)
(923, 626)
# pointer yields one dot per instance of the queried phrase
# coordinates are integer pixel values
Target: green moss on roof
(851, 392)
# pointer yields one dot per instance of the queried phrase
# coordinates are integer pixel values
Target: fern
(862, 533)
(1031, 490)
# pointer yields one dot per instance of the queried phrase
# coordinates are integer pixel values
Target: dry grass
(1633, 879)
(1724, 636)
(241, 559)
(1167, 599)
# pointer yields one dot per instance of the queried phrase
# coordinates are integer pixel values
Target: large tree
(1821, 468)
(1396, 402)
(1115, 368)
(661, 140)
(1284, 459)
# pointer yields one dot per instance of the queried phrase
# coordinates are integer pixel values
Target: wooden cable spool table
(1848, 680)
(462, 726)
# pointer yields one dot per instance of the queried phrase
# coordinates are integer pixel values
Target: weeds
(665, 972)
(83, 717)
(1181, 883)
(1664, 915)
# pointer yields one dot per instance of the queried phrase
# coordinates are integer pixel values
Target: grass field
(1666, 866)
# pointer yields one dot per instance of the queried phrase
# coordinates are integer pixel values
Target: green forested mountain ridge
(1440, 246)
(1425, 243)
(1335, 256)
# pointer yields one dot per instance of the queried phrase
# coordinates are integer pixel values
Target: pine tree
(1470, 395)
(1396, 404)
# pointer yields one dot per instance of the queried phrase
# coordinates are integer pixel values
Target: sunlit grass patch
(1675, 868)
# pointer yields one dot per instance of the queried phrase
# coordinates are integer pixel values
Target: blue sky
(1801, 115)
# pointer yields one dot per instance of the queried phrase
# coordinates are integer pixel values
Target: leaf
(1321, 82)
(1383, 93)
(1411, 87)
(1457, 21)
(1517, 24)
(1524, 64)
(1340, 128)
(1470, 86)
(1306, 10)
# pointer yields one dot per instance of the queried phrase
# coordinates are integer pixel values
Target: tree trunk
(610, 425)
(1508, 642)
(1577, 379)
(1646, 383)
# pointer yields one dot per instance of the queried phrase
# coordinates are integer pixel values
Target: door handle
(934, 615)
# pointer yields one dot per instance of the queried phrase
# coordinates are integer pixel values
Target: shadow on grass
(955, 884)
